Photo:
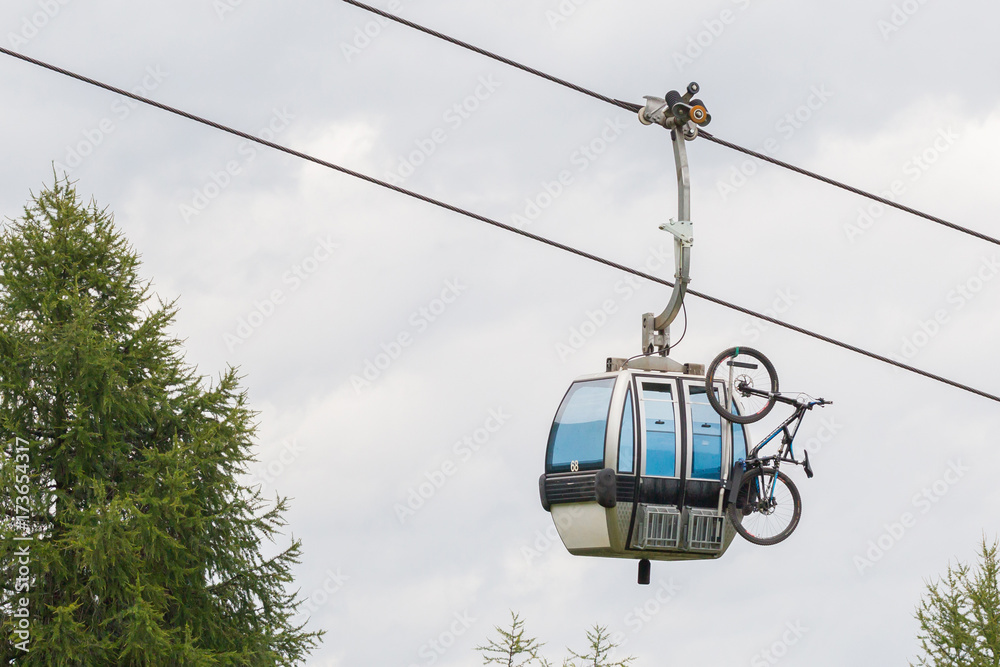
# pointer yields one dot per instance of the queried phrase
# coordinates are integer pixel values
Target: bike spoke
(772, 509)
(746, 373)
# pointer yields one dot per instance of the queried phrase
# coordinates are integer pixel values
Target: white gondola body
(639, 465)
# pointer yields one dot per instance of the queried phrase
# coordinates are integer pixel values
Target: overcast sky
(303, 277)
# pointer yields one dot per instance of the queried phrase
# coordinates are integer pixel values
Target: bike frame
(785, 451)
(789, 435)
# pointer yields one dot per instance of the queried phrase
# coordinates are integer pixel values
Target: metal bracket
(653, 340)
(681, 115)
(683, 230)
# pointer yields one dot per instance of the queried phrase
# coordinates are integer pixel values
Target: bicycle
(764, 505)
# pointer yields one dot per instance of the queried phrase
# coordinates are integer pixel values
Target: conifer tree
(599, 653)
(126, 535)
(512, 648)
(960, 615)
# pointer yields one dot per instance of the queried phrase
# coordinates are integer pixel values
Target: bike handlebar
(777, 395)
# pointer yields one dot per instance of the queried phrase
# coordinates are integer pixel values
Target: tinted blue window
(660, 458)
(739, 443)
(706, 430)
(579, 428)
(626, 441)
(739, 440)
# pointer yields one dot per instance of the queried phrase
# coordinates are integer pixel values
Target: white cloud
(357, 454)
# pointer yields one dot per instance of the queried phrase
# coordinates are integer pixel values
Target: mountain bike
(763, 503)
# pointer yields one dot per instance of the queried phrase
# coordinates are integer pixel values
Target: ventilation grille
(571, 488)
(705, 530)
(660, 528)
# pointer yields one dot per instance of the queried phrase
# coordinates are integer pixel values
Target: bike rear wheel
(767, 507)
(741, 369)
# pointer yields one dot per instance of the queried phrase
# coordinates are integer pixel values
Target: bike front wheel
(767, 507)
(742, 369)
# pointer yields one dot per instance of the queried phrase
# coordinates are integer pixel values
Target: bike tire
(755, 371)
(771, 527)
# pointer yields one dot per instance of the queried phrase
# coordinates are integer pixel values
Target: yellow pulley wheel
(699, 114)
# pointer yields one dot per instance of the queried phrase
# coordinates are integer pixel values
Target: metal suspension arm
(683, 232)
(682, 116)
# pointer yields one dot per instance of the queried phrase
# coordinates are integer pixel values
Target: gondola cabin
(637, 466)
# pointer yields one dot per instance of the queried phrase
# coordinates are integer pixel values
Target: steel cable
(628, 106)
(490, 221)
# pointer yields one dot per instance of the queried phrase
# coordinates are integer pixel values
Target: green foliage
(599, 652)
(960, 615)
(146, 549)
(512, 648)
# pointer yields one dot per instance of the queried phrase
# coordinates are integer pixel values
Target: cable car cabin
(637, 465)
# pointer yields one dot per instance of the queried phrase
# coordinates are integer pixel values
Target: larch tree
(126, 534)
(512, 648)
(960, 615)
(599, 653)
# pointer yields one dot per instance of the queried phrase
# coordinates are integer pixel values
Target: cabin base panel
(582, 526)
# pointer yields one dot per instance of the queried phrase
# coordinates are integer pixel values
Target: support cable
(495, 223)
(628, 106)
(850, 188)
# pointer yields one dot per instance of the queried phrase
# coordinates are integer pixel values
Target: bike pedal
(805, 464)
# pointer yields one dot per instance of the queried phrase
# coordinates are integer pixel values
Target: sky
(406, 362)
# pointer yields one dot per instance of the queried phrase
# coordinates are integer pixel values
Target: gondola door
(682, 445)
(706, 445)
(661, 459)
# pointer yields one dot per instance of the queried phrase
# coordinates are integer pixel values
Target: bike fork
(770, 489)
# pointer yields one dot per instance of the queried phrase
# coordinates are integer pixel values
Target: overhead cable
(628, 106)
(490, 221)
(850, 188)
